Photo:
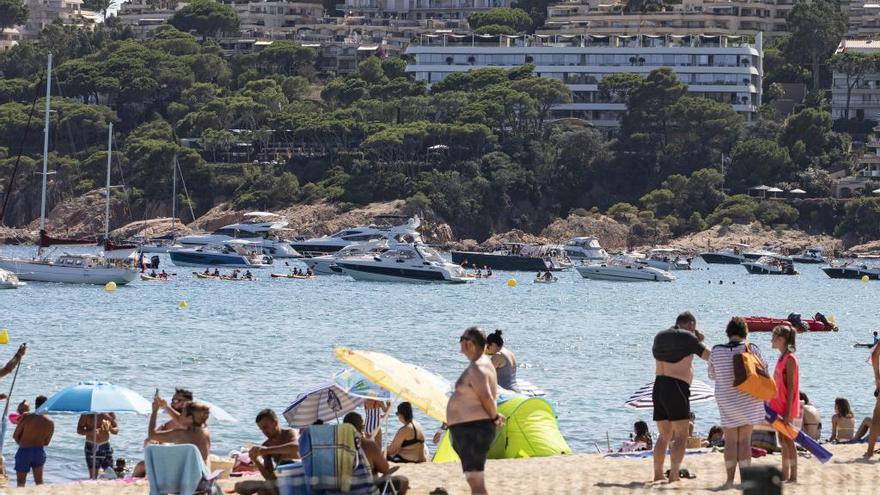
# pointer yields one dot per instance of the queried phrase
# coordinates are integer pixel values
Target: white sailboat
(67, 268)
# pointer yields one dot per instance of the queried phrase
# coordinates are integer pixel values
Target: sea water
(246, 346)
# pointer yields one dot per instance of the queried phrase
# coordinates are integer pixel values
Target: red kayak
(764, 324)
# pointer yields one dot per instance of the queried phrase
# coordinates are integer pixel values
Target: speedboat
(771, 265)
(403, 263)
(852, 270)
(233, 254)
(755, 254)
(156, 245)
(727, 256)
(326, 264)
(516, 257)
(72, 269)
(624, 270)
(259, 227)
(381, 228)
(809, 255)
(585, 249)
(666, 259)
(9, 280)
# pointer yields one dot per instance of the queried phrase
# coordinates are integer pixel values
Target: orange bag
(750, 376)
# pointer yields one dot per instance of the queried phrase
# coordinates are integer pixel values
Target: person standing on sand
(874, 431)
(97, 429)
(787, 402)
(471, 412)
(32, 434)
(674, 351)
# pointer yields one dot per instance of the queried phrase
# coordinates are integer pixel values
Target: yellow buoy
(183, 305)
(4, 337)
(831, 319)
(511, 282)
(865, 278)
(110, 287)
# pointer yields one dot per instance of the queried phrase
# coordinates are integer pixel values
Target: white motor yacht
(382, 228)
(770, 265)
(666, 259)
(852, 269)
(9, 280)
(404, 263)
(624, 270)
(809, 255)
(585, 248)
(233, 254)
(259, 227)
(326, 264)
(727, 256)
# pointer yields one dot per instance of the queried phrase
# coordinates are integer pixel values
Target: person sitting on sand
(32, 434)
(281, 447)
(674, 350)
(843, 421)
(196, 432)
(373, 453)
(812, 419)
(97, 429)
(715, 438)
(640, 438)
(408, 444)
(503, 360)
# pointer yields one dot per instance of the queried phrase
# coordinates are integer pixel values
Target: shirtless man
(281, 447)
(471, 412)
(32, 434)
(97, 429)
(674, 351)
(181, 398)
(373, 453)
(196, 433)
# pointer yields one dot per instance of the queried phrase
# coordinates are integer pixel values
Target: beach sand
(587, 473)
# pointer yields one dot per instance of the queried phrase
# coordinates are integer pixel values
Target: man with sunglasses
(471, 412)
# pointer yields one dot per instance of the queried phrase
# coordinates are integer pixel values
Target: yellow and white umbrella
(421, 388)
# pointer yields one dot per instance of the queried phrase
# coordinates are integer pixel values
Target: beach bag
(750, 376)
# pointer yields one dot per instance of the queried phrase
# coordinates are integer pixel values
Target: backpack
(750, 376)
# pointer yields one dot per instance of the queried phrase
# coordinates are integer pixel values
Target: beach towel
(178, 469)
(329, 454)
(649, 453)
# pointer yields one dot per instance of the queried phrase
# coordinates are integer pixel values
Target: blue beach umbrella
(95, 397)
(325, 402)
(356, 384)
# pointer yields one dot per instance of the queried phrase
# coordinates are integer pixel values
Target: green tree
(816, 27)
(516, 19)
(371, 70)
(810, 126)
(861, 220)
(206, 17)
(616, 88)
(12, 13)
(99, 6)
(854, 66)
(758, 161)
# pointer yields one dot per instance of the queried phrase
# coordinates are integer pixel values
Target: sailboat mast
(174, 201)
(46, 145)
(107, 203)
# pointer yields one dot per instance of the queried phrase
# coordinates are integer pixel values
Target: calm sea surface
(253, 345)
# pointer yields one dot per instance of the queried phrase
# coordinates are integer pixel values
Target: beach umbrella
(762, 188)
(641, 398)
(216, 412)
(356, 384)
(423, 389)
(798, 191)
(876, 191)
(775, 191)
(325, 402)
(94, 397)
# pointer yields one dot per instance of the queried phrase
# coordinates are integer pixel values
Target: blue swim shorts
(28, 458)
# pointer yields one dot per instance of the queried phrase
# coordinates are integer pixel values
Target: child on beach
(787, 401)
(32, 434)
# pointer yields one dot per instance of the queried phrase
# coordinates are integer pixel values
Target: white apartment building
(41, 13)
(419, 9)
(9, 37)
(145, 16)
(274, 18)
(726, 69)
(865, 96)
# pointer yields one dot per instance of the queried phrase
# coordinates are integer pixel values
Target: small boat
(810, 255)
(326, 264)
(291, 276)
(9, 280)
(229, 278)
(771, 265)
(624, 269)
(206, 275)
(765, 324)
(262, 229)
(516, 257)
(234, 254)
(666, 259)
(727, 256)
(404, 263)
(585, 248)
(148, 278)
(852, 270)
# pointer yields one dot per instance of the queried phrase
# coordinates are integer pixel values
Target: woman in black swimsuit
(408, 444)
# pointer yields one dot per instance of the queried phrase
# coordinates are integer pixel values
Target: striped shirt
(736, 408)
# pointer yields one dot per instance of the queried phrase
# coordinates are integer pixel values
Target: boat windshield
(429, 254)
(398, 254)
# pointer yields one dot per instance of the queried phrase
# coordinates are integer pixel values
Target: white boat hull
(621, 274)
(38, 271)
(378, 277)
(322, 265)
(667, 265)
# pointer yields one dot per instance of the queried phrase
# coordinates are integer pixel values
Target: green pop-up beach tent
(531, 430)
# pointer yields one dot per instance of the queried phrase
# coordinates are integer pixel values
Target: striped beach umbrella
(641, 398)
(326, 402)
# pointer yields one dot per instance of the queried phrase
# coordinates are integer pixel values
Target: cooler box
(291, 479)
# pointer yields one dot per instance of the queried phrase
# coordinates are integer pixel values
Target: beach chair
(179, 470)
(334, 462)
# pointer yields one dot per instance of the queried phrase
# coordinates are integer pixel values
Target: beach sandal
(438, 491)
(683, 473)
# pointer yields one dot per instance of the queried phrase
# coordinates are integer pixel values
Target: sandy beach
(585, 473)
